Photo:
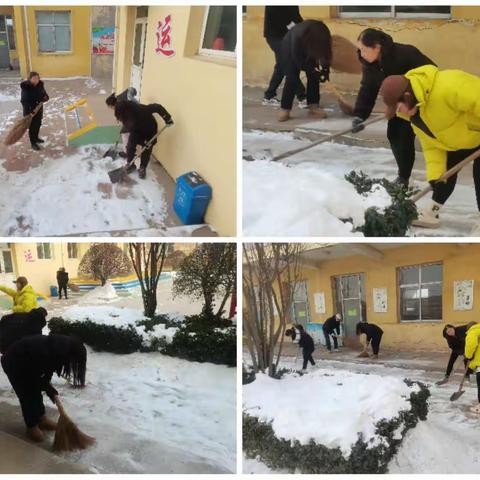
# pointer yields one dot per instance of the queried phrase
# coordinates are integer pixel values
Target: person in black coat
(306, 47)
(331, 326)
(381, 57)
(32, 94)
(62, 281)
(374, 336)
(307, 345)
(30, 364)
(15, 326)
(455, 337)
(278, 21)
(139, 121)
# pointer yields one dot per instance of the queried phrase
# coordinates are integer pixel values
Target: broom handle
(59, 406)
(447, 175)
(148, 144)
(326, 139)
(36, 109)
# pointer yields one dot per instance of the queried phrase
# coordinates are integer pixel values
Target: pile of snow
(302, 201)
(102, 294)
(327, 406)
(120, 317)
(89, 202)
(7, 97)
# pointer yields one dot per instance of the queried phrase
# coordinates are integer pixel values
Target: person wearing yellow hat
(443, 108)
(24, 297)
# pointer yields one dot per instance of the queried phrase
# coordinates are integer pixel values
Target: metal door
(4, 49)
(138, 53)
(300, 308)
(350, 300)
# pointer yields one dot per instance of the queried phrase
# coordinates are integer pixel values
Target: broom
(68, 437)
(20, 127)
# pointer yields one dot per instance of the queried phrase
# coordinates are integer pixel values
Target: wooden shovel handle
(447, 175)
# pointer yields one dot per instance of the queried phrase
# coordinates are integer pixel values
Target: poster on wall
(28, 256)
(103, 40)
(163, 35)
(463, 294)
(319, 299)
(380, 301)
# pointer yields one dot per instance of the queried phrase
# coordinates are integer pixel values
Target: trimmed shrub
(102, 338)
(204, 339)
(259, 440)
(150, 323)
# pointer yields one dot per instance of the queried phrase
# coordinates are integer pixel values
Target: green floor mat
(106, 134)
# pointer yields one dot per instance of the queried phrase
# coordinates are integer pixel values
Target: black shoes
(40, 140)
(142, 172)
(35, 147)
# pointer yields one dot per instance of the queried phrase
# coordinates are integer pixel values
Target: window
(53, 31)
(44, 251)
(10, 33)
(72, 249)
(219, 35)
(401, 11)
(420, 292)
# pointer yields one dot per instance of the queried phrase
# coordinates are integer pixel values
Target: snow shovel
(20, 127)
(268, 154)
(119, 174)
(447, 175)
(68, 437)
(363, 354)
(456, 395)
(112, 151)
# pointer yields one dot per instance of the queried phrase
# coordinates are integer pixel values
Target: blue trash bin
(53, 291)
(192, 196)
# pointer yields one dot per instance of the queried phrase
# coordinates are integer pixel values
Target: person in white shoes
(443, 107)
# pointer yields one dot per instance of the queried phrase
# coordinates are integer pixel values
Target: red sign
(28, 256)
(164, 37)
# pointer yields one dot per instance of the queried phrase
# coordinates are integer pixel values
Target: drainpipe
(27, 38)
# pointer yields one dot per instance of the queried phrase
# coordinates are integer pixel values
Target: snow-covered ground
(307, 195)
(150, 413)
(447, 442)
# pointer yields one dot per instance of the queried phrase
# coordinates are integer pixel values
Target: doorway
(138, 53)
(4, 44)
(300, 308)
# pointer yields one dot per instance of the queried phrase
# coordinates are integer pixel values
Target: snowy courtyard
(149, 412)
(343, 398)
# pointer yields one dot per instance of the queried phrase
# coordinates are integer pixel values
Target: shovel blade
(117, 175)
(110, 153)
(456, 395)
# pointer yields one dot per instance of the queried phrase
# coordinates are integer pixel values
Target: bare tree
(148, 260)
(210, 271)
(270, 274)
(103, 261)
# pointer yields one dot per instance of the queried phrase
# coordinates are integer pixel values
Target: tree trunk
(150, 303)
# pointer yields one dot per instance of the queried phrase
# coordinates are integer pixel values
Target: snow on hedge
(327, 406)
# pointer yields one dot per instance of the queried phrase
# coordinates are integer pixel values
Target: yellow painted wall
(69, 64)
(200, 94)
(444, 41)
(459, 263)
(42, 273)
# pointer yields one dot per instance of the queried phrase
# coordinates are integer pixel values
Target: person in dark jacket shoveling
(331, 327)
(307, 345)
(139, 121)
(33, 94)
(30, 364)
(374, 336)
(381, 57)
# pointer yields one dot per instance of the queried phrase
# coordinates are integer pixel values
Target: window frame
(393, 13)
(209, 52)
(42, 245)
(418, 286)
(76, 251)
(70, 26)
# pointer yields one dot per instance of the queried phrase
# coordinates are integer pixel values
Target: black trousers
(478, 386)
(60, 289)
(451, 362)
(291, 84)
(402, 142)
(145, 158)
(443, 190)
(29, 393)
(307, 357)
(327, 341)
(275, 43)
(34, 128)
(375, 342)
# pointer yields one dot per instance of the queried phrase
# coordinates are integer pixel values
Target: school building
(184, 57)
(39, 262)
(410, 290)
(447, 34)
(58, 41)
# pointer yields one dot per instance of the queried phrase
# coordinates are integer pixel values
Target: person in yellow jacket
(472, 353)
(24, 297)
(443, 107)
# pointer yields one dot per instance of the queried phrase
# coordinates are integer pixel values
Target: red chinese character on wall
(164, 38)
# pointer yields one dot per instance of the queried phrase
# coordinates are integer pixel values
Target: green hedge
(259, 440)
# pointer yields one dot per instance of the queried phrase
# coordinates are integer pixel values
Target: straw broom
(20, 127)
(68, 437)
